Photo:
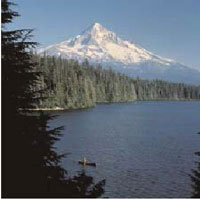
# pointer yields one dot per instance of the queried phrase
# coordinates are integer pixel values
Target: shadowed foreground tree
(30, 165)
(196, 178)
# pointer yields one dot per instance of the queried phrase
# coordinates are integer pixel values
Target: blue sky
(170, 28)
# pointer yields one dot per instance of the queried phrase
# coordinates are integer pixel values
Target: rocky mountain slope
(99, 45)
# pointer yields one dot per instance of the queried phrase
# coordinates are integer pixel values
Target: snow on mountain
(99, 45)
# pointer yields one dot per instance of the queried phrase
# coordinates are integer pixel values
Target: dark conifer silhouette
(30, 165)
(195, 177)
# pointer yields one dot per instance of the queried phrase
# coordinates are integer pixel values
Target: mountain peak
(97, 26)
(95, 29)
(99, 44)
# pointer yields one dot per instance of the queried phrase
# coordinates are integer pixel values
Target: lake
(142, 149)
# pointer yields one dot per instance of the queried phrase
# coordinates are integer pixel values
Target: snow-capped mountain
(99, 45)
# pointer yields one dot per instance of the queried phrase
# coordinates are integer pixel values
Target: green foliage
(30, 165)
(78, 85)
(195, 178)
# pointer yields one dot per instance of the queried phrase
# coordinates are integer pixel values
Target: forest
(31, 166)
(69, 84)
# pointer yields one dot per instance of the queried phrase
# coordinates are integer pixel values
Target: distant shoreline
(48, 109)
(80, 108)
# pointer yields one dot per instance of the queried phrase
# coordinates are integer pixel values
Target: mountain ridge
(99, 45)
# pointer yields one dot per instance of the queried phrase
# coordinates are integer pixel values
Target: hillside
(71, 85)
(101, 46)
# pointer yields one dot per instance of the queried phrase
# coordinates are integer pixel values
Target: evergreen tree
(81, 85)
(30, 165)
(195, 177)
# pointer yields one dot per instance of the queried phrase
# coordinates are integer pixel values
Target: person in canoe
(84, 162)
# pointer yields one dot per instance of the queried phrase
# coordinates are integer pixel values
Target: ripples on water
(143, 149)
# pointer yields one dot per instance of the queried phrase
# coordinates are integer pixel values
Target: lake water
(142, 149)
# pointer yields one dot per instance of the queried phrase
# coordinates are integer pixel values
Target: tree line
(71, 85)
(31, 167)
